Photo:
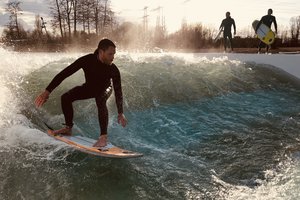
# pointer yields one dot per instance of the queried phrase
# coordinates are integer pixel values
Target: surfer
(226, 26)
(100, 75)
(267, 20)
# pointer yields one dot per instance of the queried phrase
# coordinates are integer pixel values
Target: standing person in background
(267, 20)
(226, 26)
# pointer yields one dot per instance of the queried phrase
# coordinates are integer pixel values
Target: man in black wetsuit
(267, 20)
(99, 73)
(226, 26)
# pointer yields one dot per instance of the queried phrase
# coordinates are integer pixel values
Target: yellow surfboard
(85, 145)
(264, 33)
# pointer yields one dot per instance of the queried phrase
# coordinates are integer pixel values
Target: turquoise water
(208, 128)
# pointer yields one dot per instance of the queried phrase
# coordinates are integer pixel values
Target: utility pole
(145, 19)
(145, 23)
(160, 20)
(43, 25)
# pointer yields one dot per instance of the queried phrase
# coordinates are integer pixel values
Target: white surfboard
(85, 145)
(218, 35)
(264, 33)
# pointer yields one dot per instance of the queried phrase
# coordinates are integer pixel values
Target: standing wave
(208, 128)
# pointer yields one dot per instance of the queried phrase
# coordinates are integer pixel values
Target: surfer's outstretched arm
(42, 98)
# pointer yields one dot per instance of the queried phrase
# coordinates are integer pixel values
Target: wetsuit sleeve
(275, 23)
(234, 27)
(222, 25)
(116, 78)
(68, 71)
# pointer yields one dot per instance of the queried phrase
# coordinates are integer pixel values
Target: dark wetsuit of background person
(98, 85)
(267, 20)
(226, 25)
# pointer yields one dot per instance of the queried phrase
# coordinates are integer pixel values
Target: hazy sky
(209, 12)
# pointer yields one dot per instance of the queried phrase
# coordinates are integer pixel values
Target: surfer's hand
(42, 98)
(122, 119)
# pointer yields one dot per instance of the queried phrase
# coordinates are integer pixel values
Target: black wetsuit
(227, 23)
(98, 78)
(267, 20)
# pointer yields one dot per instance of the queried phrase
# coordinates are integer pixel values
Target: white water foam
(16, 129)
(280, 183)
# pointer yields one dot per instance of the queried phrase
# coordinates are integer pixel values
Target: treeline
(82, 23)
(73, 21)
(89, 16)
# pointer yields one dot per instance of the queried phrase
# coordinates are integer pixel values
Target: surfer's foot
(63, 131)
(102, 141)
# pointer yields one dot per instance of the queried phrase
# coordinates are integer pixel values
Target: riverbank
(89, 48)
(239, 50)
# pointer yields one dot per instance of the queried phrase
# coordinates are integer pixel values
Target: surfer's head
(227, 14)
(270, 11)
(106, 51)
(104, 44)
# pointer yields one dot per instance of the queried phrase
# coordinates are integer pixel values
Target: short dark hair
(104, 44)
(270, 10)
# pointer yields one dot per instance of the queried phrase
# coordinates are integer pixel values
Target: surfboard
(289, 52)
(85, 145)
(264, 33)
(218, 35)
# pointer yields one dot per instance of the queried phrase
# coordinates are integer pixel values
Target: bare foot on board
(67, 131)
(102, 141)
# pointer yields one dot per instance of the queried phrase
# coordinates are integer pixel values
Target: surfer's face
(107, 56)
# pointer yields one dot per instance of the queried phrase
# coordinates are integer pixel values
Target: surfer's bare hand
(122, 119)
(42, 98)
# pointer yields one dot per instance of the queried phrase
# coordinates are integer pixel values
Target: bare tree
(75, 3)
(14, 9)
(84, 14)
(95, 16)
(295, 28)
(68, 6)
(97, 8)
(106, 16)
(56, 13)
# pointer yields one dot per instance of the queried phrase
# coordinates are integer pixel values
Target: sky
(207, 12)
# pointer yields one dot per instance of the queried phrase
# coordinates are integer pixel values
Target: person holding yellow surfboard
(267, 20)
